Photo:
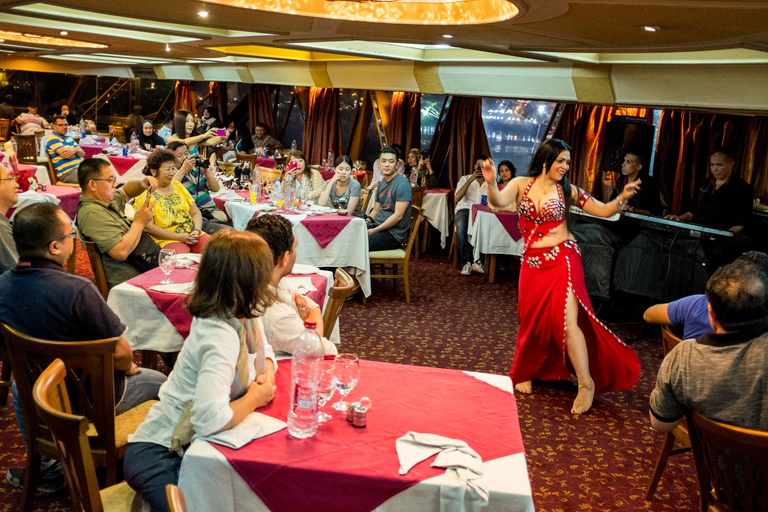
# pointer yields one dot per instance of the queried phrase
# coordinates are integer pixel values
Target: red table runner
(92, 150)
(324, 228)
(123, 163)
(510, 220)
(349, 469)
(359, 175)
(437, 191)
(172, 304)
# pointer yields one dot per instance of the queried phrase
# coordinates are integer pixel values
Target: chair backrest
(175, 498)
(418, 195)
(669, 340)
(5, 129)
(731, 463)
(51, 169)
(97, 266)
(246, 157)
(69, 436)
(366, 199)
(272, 174)
(343, 285)
(26, 148)
(280, 162)
(90, 369)
(117, 132)
(415, 221)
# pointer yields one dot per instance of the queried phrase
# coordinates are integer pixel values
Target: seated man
(377, 176)
(262, 138)
(724, 376)
(29, 122)
(126, 251)
(65, 153)
(469, 191)
(167, 129)
(391, 214)
(194, 172)
(8, 197)
(692, 312)
(284, 320)
(647, 201)
(73, 309)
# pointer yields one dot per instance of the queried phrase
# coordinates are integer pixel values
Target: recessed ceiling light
(650, 28)
(203, 14)
(63, 32)
(167, 47)
(448, 36)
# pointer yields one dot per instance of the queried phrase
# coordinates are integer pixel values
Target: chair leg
(31, 475)
(394, 281)
(425, 237)
(661, 463)
(5, 377)
(406, 283)
(491, 269)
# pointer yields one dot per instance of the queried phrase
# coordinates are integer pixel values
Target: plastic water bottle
(82, 128)
(294, 146)
(134, 143)
(305, 378)
(289, 192)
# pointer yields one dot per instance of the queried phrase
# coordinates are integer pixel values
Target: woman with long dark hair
(558, 331)
(184, 130)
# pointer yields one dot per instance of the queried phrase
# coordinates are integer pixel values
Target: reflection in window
(515, 128)
(430, 112)
(288, 121)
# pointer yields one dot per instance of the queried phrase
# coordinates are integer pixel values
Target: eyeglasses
(111, 179)
(73, 234)
(10, 178)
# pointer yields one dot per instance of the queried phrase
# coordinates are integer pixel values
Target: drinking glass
(167, 261)
(326, 387)
(346, 375)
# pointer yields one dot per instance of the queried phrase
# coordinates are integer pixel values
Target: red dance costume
(547, 275)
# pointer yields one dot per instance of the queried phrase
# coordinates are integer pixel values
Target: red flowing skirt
(547, 275)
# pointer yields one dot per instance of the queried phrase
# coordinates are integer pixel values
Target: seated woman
(225, 370)
(148, 139)
(184, 130)
(177, 220)
(241, 139)
(426, 174)
(412, 161)
(506, 173)
(342, 190)
(310, 179)
(199, 182)
(210, 119)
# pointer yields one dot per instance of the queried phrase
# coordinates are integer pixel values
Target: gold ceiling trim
(277, 53)
(458, 12)
(20, 37)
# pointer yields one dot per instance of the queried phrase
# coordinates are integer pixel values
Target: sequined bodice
(535, 225)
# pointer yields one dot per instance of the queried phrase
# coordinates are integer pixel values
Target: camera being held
(201, 163)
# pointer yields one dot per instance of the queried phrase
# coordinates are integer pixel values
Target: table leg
(492, 269)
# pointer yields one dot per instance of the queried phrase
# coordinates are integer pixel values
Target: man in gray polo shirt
(391, 214)
(723, 376)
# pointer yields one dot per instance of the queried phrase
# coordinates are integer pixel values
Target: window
(430, 112)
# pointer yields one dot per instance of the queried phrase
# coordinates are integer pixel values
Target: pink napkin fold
(324, 228)
(169, 304)
(510, 220)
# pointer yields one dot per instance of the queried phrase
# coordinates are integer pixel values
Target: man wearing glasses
(65, 154)
(8, 197)
(126, 251)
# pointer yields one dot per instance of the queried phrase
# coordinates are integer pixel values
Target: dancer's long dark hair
(543, 159)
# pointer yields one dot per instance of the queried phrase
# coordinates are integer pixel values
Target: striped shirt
(62, 165)
(30, 123)
(197, 185)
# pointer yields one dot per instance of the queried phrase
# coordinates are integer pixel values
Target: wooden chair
(731, 463)
(117, 132)
(5, 373)
(417, 199)
(91, 377)
(70, 438)
(97, 266)
(368, 178)
(343, 285)
(679, 433)
(26, 149)
(175, 498)
(397, 257)
(252, 160)
(5, 129)
(365, 198)
(52, 174)
(453, 251)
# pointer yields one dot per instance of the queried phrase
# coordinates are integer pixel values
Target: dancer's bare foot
(524, 387)
(584, 399)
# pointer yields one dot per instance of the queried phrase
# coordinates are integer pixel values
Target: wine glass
(167, 261)
(346, 375)
(325, 387)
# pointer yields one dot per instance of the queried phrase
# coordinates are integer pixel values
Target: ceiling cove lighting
(415, 12)
(46, 40)
(63, 32)
(651, 28)
(203, 14)
(167, 47)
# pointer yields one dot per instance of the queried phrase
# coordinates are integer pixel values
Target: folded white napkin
(298, 268)
(87, 140)
(303, 285)
(461, 488)
(254, 426)
(115, 142)
(185, 260)
(185, 288)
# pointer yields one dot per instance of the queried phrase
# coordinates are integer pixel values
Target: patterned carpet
(600, 461)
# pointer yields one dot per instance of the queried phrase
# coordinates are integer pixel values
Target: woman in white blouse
(225, 370)
(311, 180)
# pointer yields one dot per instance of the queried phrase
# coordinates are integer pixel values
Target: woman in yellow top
(177, 220)
(311, 180)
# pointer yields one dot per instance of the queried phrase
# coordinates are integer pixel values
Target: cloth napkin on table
(185, 260)
(87, 140)
(254, 426)
(303, 285)
(183, 288)
(460, 488)
(298, 268)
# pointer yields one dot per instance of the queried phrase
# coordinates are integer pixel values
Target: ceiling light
(63, 32)
(167, 47)
(46, 40)
(203, 14)
(448, 36)
(441, 46)
(650, 28)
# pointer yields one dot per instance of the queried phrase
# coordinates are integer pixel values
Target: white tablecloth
(348, 250)
(209, 482)
(149, 329)
(488, 236)
(436, 211)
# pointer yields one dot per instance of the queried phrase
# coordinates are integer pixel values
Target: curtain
(218, 100)
(467, 137)
(686, 140)
(185, 96)
(583, 128)
(322, 127)
(405, 121)
(260, 108)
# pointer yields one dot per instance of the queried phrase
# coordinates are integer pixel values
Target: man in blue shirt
(65, 153)
(391, 214)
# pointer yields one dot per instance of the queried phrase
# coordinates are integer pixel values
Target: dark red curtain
(322, 127)
(467, 138)
(260, 108)
(405, 120)
(218, 100)
(185, 96)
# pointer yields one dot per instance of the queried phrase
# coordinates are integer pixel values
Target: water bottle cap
(309, 325)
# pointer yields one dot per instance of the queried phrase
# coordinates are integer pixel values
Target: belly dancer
(559, 333)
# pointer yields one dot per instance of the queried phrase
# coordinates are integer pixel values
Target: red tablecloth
(93, 149)
(510, 220)
(359, 467)
(68, 198)
(324, 228)
(359, 175)
(172, 304)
